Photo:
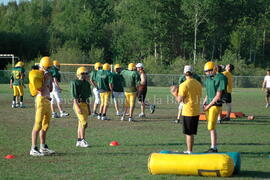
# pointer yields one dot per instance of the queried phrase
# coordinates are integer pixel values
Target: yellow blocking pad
(84, 116)
(18, 90)
(212, 116)
(104, 97)
(220, 165)
(43, 113)
(130, 98)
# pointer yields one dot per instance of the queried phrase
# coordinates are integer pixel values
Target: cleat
(17, 105)
(130, 119)
(83, 143)
(55, 115)
(64, 114)
(177, 121)
(78, 143)
(104, 118)
(187, 152)
(22, 105)
(152, 108)
(99, 117)
(122, 118)
(226, 119)
(36, 152)
(13, 105)
(141, 115)
(46, 150)
(118, 114)
(94, 114)
(211, 150)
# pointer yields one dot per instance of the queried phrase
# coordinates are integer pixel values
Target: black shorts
(141, 94)
(268, 92)
(228, 98)
(190, 124)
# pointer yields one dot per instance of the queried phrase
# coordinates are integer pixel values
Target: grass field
(137, 140)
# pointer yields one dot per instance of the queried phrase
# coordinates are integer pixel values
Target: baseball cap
(139, 65)
(188, 68)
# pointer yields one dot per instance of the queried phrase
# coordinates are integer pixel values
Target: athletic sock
(21, 99)
(42, 145)
(14, 98)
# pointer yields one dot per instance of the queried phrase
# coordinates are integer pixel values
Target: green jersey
(195, 76)
(212, 85)
(103, 79)
(17, 76)
(93, 74)
(131, 80)
(117, 82)
(55, 73)
(80, 89)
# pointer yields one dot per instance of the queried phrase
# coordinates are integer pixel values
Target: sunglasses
(84, 73)
(209, 70)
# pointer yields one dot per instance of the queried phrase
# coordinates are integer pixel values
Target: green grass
(137, 140)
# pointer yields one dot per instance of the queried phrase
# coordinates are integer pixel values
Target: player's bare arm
(215, 99)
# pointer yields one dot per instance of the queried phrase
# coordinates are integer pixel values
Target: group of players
(128, 84)
(218, 87)
(44, 80)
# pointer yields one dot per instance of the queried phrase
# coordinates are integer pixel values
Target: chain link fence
(158, 80)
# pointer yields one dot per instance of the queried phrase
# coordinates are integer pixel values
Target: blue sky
(6, 1)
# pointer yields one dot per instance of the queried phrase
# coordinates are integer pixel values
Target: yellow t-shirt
(230, 81)
(191, 90)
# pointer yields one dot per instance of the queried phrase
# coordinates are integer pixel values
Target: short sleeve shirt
(103, 79)
(191, 90)
(213, 85)
(17, 76)
(230, 81)
(80, 89)
(131, 80)
(267, 79)
(117, 82)
(55, 73)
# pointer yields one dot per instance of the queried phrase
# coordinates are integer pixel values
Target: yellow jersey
(191, 91)
(230, 81)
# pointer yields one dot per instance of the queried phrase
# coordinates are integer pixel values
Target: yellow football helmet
(19, 64)
(210, 65)
(81, 70)
(45, 62)
(117, 66)
(56, 63)
(97, 65)
(106, 66)
(131, 66)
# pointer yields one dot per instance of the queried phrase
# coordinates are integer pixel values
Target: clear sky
(7, 1)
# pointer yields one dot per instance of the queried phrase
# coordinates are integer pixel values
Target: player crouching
(81, 91)
(40, 85)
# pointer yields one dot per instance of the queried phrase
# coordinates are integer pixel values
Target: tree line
(160, 33)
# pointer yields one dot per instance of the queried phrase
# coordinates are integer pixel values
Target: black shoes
(211, 150)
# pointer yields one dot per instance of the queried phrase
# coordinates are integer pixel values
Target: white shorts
(117, 95)
(180, 107)
(56, 97)
(96, 95)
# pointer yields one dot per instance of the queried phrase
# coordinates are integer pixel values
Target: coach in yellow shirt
(190, 93)
(228, 73)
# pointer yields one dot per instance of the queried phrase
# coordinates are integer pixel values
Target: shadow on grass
(253, 174)
(204, 144)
